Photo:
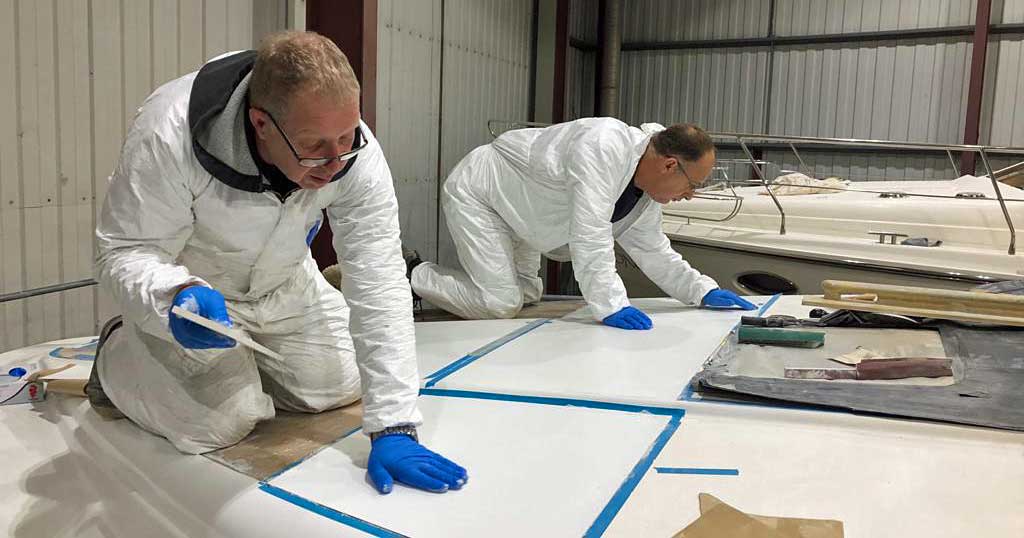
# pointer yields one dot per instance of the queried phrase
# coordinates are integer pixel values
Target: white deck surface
(578, 357)
(881, 477)
(439, 343)
(535, 470)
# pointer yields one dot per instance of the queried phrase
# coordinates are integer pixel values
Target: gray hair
(684, 141)
(291, 62)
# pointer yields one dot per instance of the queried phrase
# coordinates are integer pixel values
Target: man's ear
(669, 164)
(259, 123)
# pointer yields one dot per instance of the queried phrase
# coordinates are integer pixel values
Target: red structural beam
(558, 104)
(352, 25)
(977, 87)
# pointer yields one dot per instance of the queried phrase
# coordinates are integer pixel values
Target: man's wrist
(401, 429)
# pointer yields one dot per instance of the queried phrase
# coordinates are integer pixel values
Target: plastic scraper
(878, 369)
(237, 334)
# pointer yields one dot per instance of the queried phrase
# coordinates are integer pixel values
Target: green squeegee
(780, 337)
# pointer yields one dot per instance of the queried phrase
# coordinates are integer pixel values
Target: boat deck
(567, 428)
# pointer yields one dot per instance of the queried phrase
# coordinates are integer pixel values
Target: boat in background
(753, 239)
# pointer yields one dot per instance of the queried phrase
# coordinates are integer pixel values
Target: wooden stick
(1000, 309)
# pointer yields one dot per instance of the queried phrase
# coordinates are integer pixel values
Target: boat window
(760, 283)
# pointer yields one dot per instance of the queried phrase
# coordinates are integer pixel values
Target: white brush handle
(238, 335)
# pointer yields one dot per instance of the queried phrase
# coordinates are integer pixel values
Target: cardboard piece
(718, 519)
(857, 356)
(286, 439)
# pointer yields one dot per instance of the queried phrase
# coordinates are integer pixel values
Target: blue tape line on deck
(330, 513)
(545, 400)
(764, 308)
(695, 470)
(687, 394)
(604, 519)
(472, 356)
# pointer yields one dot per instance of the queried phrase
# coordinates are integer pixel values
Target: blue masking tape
(545, 400)
(695, 470)
(330, 513)
(687, 393)
(604, 519)
(468, 359)
(764, 308)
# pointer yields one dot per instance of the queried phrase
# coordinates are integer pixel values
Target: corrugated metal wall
(408, 99)
(72, 74)
(874, 90)
(482, 74)
(722, 89)
(914, 90)
(1005, 79)
(581, 65)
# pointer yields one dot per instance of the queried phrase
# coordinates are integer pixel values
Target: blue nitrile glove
(312, 232)
(399, 457)
(720, 298)
(206, 302)
(629, 318)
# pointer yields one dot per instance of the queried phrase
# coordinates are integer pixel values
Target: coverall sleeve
(646, 243)
(367, 239)
(145, 221)
(597, 162)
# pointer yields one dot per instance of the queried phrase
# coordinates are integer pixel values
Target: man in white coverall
(584, 184)
(216, 196)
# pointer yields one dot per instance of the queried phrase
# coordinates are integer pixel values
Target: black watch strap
(402, 429)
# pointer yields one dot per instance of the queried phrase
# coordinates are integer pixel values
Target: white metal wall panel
(580, 80)
(878, 90)
(581, 65)
(72, 74)
(486, 76)
(1013, 11)
(671, 20)
(408, 97)
(870, 15)
(1004, 82)
(583, 19)
(721, 89)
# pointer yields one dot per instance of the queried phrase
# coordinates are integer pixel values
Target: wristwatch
(401, 429)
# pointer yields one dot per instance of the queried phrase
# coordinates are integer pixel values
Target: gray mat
(989, 388)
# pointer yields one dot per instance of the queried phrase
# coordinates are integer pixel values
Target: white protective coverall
(188, 205)
(540, 190)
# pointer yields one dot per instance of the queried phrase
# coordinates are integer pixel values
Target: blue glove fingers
(452, 468)
(642, 320)
(194, 336)
(629, 318)
(205, 302)
(380, 477)
(414, 476)
(634, 321)
(433, 470)
(745, 304)
(217, 311)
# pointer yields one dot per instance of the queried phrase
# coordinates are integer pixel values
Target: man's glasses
(317, 162)
(693, 184)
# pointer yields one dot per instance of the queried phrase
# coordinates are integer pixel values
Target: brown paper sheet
(718, 519)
